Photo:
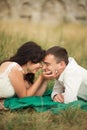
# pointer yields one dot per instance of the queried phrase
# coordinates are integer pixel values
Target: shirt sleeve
(72, 84)
(58, 88)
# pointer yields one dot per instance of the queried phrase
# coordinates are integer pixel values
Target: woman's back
(6, 88)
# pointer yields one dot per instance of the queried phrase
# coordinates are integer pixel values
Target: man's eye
(47, 64)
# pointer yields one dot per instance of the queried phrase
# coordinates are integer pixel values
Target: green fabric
(41, 104)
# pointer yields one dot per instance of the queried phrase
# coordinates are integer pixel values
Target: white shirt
(72, 83)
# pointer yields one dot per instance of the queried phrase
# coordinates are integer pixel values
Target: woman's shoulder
(10, 65)
(7, 63)
(17, 66)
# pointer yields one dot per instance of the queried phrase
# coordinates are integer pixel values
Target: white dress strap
(9, 68)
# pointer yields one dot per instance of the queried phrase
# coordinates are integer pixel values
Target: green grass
(74, 39)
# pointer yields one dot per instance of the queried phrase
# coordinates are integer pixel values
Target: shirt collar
(72, 63)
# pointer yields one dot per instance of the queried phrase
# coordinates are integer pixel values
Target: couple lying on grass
(17, 74)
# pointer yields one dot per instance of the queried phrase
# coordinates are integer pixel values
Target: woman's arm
(42, 88)
(18, 82)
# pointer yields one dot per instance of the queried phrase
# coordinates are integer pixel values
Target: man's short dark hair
(59, 53)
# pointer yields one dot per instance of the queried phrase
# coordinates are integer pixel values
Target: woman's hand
(50, 75)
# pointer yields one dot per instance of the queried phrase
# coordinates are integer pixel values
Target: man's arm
(57, 89)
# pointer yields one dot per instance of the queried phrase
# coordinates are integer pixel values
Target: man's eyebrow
(46, 63)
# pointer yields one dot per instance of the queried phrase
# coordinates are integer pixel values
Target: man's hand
(58, 98)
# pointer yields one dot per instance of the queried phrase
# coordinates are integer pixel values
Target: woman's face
(34, 67)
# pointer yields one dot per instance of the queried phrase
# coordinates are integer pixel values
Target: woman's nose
(44, 66)
(40, 65)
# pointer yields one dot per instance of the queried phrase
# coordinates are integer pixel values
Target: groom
(70, 78)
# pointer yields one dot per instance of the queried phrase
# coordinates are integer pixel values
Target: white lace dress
(6, 88)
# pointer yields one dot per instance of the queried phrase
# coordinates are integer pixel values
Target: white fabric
(6, 88)
(72, 83)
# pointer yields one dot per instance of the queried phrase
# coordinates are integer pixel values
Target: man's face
(50, 63)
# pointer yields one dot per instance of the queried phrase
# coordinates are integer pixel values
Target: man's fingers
(56, 100)
(59, 98)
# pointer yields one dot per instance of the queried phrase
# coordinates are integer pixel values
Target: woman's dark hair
(59, 53)
(29, 51)
(29, 77)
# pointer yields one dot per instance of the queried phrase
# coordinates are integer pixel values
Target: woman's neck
(24, 67)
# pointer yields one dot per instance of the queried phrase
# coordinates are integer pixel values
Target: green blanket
(41, 103)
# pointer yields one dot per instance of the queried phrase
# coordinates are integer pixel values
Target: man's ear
(62, 65)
